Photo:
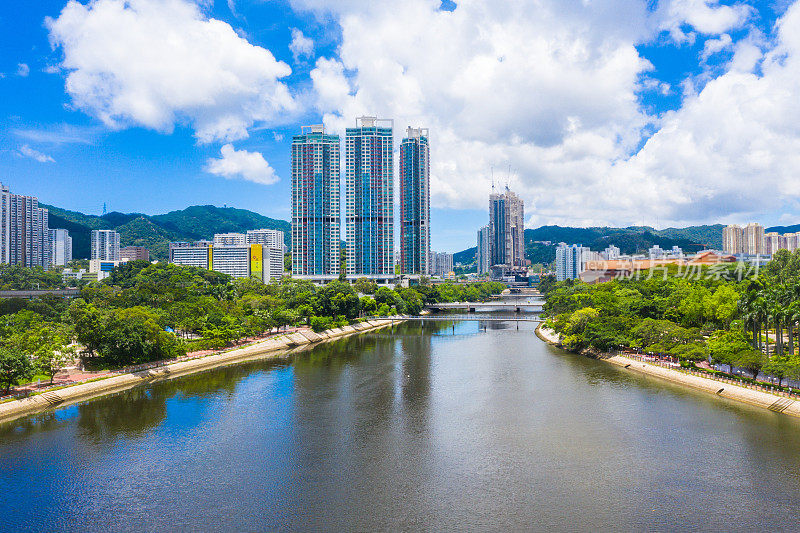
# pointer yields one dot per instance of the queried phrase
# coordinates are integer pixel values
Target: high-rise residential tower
(315, 203)
(569, 261)
(441, 263)
(370, 198)
(415, 209)
(506, 229)
(24, 230)
(732, 239)
(105, 245)
(61, 247)
(753, 239)
(483, 251)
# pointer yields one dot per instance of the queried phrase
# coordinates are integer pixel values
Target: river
(421, 427)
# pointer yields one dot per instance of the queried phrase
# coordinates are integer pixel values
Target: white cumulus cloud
(301, 46)
(23, 70)
(157, 63)
(241, 164)
(714, 46)
(551, 88)
(708, 17)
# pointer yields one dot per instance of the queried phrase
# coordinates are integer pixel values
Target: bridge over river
(472, 318)
(498, 305)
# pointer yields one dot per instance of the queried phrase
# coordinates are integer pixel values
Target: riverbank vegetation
(146, 312)
(730, 314)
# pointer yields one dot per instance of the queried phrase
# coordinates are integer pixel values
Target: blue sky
(614, 112)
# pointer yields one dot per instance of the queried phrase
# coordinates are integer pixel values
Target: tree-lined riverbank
(151, 312)
(277, 346)
(724, 387)
(730, 314)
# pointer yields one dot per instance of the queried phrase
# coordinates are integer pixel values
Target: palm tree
(762, 317)
(794, 318)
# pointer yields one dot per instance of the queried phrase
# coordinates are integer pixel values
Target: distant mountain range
(784, 229)
(155, 232)
(630, 240)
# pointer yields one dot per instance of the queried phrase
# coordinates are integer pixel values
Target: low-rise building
(70, 274)
(605, 270)
(134, 253)
(103, 267)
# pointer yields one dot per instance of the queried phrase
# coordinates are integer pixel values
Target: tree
(337, 298)
(14, 367)
(53, 352)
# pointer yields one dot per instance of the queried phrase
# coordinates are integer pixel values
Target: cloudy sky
(618, 112)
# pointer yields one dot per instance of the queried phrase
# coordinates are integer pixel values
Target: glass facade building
(415, 209)
(506, 229)
(369, 189)
(315, 203)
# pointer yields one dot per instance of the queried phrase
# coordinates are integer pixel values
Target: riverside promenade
(277, 346)
(725, 388)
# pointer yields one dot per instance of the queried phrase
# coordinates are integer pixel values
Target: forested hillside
(155, 232)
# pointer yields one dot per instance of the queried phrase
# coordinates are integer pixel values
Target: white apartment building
(441, 263)
(230, 239)
(267, 237)
(483, 251)
(656, 252)
(61, 247)
(105, 245)
(611, 253)
(258, 261)
(569, 261)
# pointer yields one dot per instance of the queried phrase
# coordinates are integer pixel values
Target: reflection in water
(477, 426)
(103, 420)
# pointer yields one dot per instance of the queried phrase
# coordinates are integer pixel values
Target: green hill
(155, 232)
(630, 240)
(784, 229)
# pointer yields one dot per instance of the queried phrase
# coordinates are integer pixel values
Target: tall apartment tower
(732, 239)
(369, 191)
(105, 245)
(506, 229)
(415, 205)
(24, 231)
(61, 246)
(569, 261)
(753, 239)
(483, 251)
(441, 263)
(315, 203)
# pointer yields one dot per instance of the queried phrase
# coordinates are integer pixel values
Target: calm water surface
(429, 427)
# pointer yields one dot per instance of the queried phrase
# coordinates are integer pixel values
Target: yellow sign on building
(257, 262)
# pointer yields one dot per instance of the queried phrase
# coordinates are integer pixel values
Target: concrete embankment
(767, 400)
(279, 346)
